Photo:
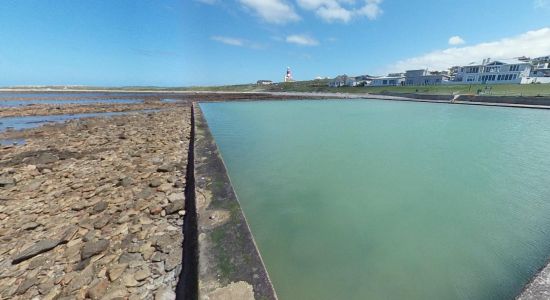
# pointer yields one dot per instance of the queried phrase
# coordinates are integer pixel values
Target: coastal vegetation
(321, 86)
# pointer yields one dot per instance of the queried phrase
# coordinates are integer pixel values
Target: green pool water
(371, 199)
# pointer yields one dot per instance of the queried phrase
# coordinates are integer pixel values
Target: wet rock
(92, 248)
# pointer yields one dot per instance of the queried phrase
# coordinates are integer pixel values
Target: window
(514, 68)
(499, 77)
(384, 82)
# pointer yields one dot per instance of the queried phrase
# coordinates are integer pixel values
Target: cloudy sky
(244, 40)
(207, 42)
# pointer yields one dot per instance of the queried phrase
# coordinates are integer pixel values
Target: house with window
(264, 82)
(396, 79)
(425, 77)
(541, 67)
(494, 72)
(342, 80)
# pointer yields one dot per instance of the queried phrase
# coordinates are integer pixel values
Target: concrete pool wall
(227, 261)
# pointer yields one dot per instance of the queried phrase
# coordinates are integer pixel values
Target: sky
(213, 42)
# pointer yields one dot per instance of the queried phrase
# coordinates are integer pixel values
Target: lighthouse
(288, 76)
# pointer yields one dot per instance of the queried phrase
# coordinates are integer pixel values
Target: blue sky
(207, 42)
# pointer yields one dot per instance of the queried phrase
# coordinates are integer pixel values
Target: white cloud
(302, 40)
(456, 40)
(232, 41)
(272, 11)
(228, 40)
(532, 44)
(342, 10)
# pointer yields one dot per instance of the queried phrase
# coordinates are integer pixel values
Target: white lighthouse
(288, 76)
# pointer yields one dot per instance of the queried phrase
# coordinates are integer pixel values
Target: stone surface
(234, 291)
(98, 290)
(99, 207)
(92, 248)
(78, 218)
(116, 270)
(174, 207)
(40, 247)
(165, 293)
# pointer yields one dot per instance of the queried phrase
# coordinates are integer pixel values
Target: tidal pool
(370, 199)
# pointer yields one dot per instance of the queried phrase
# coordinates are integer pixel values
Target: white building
(425, 77)
(494, 72)
(342, 80)
(395, 80)
(541, 67)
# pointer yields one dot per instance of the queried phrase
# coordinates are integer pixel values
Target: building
(264, 82)
(288, 75)
(541, 67)
(342, 80)
(494, 72)
(425, 77)
(395, 79)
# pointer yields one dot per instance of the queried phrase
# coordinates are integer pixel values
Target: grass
(322, 86)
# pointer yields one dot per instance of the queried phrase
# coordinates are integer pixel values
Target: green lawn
(322, 86)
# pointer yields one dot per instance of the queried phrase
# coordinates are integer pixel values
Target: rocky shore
(60, 109)
(94, 208)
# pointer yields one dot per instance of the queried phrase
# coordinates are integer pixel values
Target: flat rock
(174, 207)
(234, 291)
(25, 285)
(101, 222)
(175, 197)
(116, 270)
(99, 207)
(166, 168)
(98, 290)
(156, 182)
(6, 181)
(142, 274)
(165, 293)
(30, 226)
(92, 248)
(172, 260)
(40, 247)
